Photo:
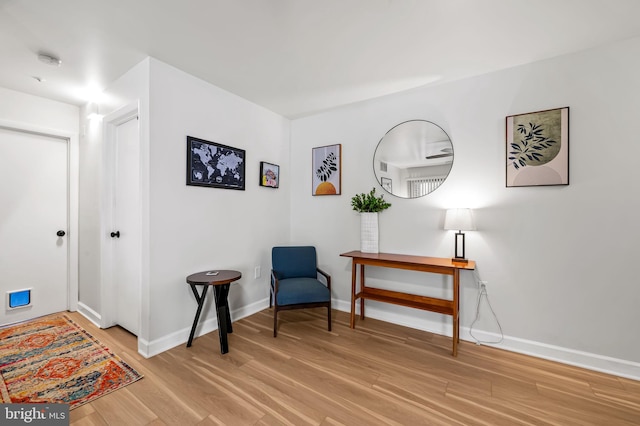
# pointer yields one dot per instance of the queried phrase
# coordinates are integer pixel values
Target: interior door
(33, 223)
(126, 231)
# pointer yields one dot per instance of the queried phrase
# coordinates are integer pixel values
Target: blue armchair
(295, 283)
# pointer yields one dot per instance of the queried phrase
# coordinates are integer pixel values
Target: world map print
(216, 165)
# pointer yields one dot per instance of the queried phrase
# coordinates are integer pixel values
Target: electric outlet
(256, 272)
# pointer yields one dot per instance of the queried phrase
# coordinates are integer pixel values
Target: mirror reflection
(413, 159)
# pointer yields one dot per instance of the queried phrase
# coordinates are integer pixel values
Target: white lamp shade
(459, 220)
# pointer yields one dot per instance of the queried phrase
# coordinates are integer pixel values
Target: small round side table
(220, 280)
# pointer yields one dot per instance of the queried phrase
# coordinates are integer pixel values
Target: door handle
(115, 234)
(61, 233)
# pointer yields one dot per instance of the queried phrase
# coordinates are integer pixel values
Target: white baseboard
(595, 362)
(148, 349)
(590, 361)
(90, 314)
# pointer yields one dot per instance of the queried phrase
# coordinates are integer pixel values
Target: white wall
(21, 108)
(196, 228)
(188, 229)
(559, 260)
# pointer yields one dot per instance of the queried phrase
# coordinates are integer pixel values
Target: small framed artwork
(269, 174)
(386, 184)
(215, 165)
(326, 165)
(537, 148)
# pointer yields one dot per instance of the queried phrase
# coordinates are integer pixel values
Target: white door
(127, 225)
(33, 210)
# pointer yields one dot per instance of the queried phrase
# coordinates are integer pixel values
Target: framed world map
(215, 165)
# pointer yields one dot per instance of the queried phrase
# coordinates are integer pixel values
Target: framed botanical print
(537, 148)
(326, 166)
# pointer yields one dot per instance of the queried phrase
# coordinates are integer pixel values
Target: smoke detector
(49, 59)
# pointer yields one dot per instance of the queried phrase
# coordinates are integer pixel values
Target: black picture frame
(387, 184)
(269, 175)
(215, 165)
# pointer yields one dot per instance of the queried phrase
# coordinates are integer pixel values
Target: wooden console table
(435, 265)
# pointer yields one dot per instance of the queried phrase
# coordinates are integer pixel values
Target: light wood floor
(377, 374)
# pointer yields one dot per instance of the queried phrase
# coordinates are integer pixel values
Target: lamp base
(459, 260)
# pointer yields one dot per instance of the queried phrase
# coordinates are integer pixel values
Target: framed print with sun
(537, 149)
(326, 166)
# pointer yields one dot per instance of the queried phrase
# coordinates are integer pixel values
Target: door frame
(72, 198)
(107, 293)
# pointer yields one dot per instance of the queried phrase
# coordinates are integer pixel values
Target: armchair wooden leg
(329, 316)
(275, 322)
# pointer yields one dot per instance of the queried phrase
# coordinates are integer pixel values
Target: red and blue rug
(53, 360)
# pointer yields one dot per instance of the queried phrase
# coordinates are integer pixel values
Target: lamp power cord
(483, 294)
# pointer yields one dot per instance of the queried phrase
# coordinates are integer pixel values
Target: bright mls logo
(34, 414)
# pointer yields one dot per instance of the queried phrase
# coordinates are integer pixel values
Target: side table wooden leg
(200, 299)
(224, 317)
(222, 330)
(225, 297)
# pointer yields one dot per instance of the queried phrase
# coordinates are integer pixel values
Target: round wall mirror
(413, 159)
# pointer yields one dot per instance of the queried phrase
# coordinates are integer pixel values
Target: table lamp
(459, 220)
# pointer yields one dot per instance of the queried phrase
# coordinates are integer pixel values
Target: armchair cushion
(292, 291)
(289, 262)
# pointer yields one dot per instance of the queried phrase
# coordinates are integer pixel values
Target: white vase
(369, 232)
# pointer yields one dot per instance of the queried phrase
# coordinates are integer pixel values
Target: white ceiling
(295, 57)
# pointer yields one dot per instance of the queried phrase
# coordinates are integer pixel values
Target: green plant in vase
(369, 203)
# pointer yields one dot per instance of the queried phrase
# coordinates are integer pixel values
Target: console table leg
(352, 322)
(456, 310)
(362, 287)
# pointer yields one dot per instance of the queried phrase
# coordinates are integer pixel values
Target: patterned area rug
(53, 360)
